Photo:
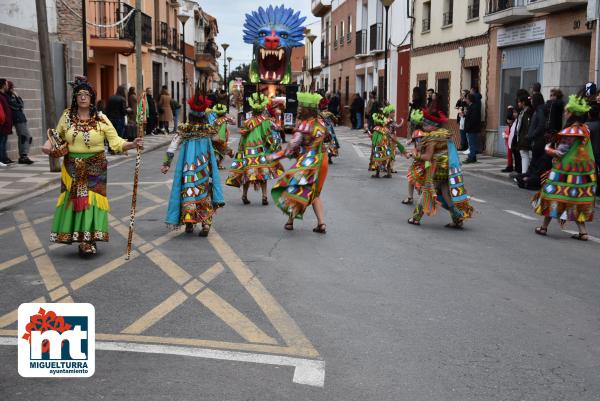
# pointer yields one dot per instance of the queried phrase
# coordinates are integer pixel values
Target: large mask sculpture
(273, 32)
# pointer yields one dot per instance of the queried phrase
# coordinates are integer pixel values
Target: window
(443, 90)
(335, 40)
(473, 9)
(342, 33)
(448, 12)
(349, 35)
(334, 88)
(347, 89)
(122, 74)
(426, 22)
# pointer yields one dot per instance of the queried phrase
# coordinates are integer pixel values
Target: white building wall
(22, 14)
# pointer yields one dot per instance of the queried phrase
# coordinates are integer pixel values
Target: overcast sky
(230, 15)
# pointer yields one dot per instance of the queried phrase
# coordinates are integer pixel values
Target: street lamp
(226, 84)
(225, 46)
(311, 38)
(183, 19)
(386, 4)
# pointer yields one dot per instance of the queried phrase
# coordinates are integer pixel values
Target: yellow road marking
(283, 323)
(157, 313)
(7, 230)
(58, 293)
(11, 317)
(152, 197)
(13, 262)
(101, 271)
(234, 318)
(170, 268)
(43, 219)
(212, 272)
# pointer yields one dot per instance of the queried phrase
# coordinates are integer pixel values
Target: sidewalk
(21, 181)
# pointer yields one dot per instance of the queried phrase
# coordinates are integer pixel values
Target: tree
(241, 71)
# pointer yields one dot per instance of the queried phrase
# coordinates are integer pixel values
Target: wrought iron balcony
(376, 39)
(505, 11)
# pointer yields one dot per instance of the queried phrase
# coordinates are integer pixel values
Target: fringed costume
(568, 192)
(381, 147)
(82, 209)
(220, 123)
(331, 142)
(196, 192)
(250, 164)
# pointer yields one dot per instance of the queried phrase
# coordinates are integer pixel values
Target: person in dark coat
(334, 105)
(358, 109)
(116, 110)
(152, 121)
(20, 123)
(554, 111)
(523, 143)
(472, 125)
(537, 127)
(6, 127)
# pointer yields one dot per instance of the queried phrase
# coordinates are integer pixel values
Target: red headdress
(199, 104)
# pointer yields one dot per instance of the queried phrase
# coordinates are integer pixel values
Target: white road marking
(524, 216)
(358, 151)
(590, 237)
(478, 200)
(307, 371)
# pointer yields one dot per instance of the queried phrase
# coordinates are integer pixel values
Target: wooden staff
(141, 117)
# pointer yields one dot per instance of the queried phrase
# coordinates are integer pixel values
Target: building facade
(450, 51)
(546, 41)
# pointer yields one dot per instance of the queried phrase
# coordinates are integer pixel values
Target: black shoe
(25, 160)
(7, 161)
(469, 161)
(507, 170)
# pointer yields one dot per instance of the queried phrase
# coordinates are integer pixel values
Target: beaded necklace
(83, 126)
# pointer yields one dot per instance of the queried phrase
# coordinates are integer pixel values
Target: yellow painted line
(123, 230)
(13, 262)
(152, 197)
(157, 313)
(7, 230)
(11, 317)
(30, 238)
(142, 212)
(100, 271)
(58, 293)
(48, 272)
(56, 246)
(38, 252)
(193, 286)
(43, 219)
(212, 273)
(170, 268)
(234, 318)
(66, 300)
(193, 342)
(147, 247)
(283, 323)
(167, 237)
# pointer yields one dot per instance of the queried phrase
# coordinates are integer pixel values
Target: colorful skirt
(381, 153)
(82, 209)
(196, 192)
(250, 164)
(301, 184)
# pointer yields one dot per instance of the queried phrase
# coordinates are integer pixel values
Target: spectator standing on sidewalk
(20, 123)
(461, 107)
(357, 108)
(152, 118)
(472, 126)
(554, 111)
(523, 121)
(116, 110)
(6, 128)
(175, 108)
(164, 110)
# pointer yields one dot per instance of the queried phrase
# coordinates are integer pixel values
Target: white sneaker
(3, 165)
(466, 152)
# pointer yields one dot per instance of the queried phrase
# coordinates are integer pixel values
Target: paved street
(374, 310)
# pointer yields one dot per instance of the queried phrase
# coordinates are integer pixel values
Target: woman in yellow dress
(82, 209)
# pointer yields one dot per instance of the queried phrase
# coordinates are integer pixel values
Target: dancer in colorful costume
(391, 125)
(250, 164)
(417, 167)
(82, 209)
(568, 192)
(301, 185)
(221, 123)
(196, 192)
(381, 149)
(331, 142)
(273, 112)
(441, 179)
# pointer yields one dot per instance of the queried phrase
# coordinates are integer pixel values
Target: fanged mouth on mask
(271, 64)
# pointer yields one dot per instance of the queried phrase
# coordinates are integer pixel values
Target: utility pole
(47, 74)
(139, 85)
(84, 28)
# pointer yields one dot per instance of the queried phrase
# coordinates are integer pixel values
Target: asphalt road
(380, 309)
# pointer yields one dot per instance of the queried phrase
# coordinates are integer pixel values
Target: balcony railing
(335, 44)
(375, 33)
(473, 10)
(174, 40)
(106, 13)
(361, 42)
(426, 25)
(206, 48)
(146, 29)
(501, 5)
(324, 53)
(447, 18)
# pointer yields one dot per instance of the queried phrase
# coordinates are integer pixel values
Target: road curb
(47, 186)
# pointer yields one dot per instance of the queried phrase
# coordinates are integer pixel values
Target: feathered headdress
(198, 104)
(309, 100)
(416, 117)
(578, 105)
(275, 18)
(258, 101)
(220, 109)
(388, 109)
(378, 118)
